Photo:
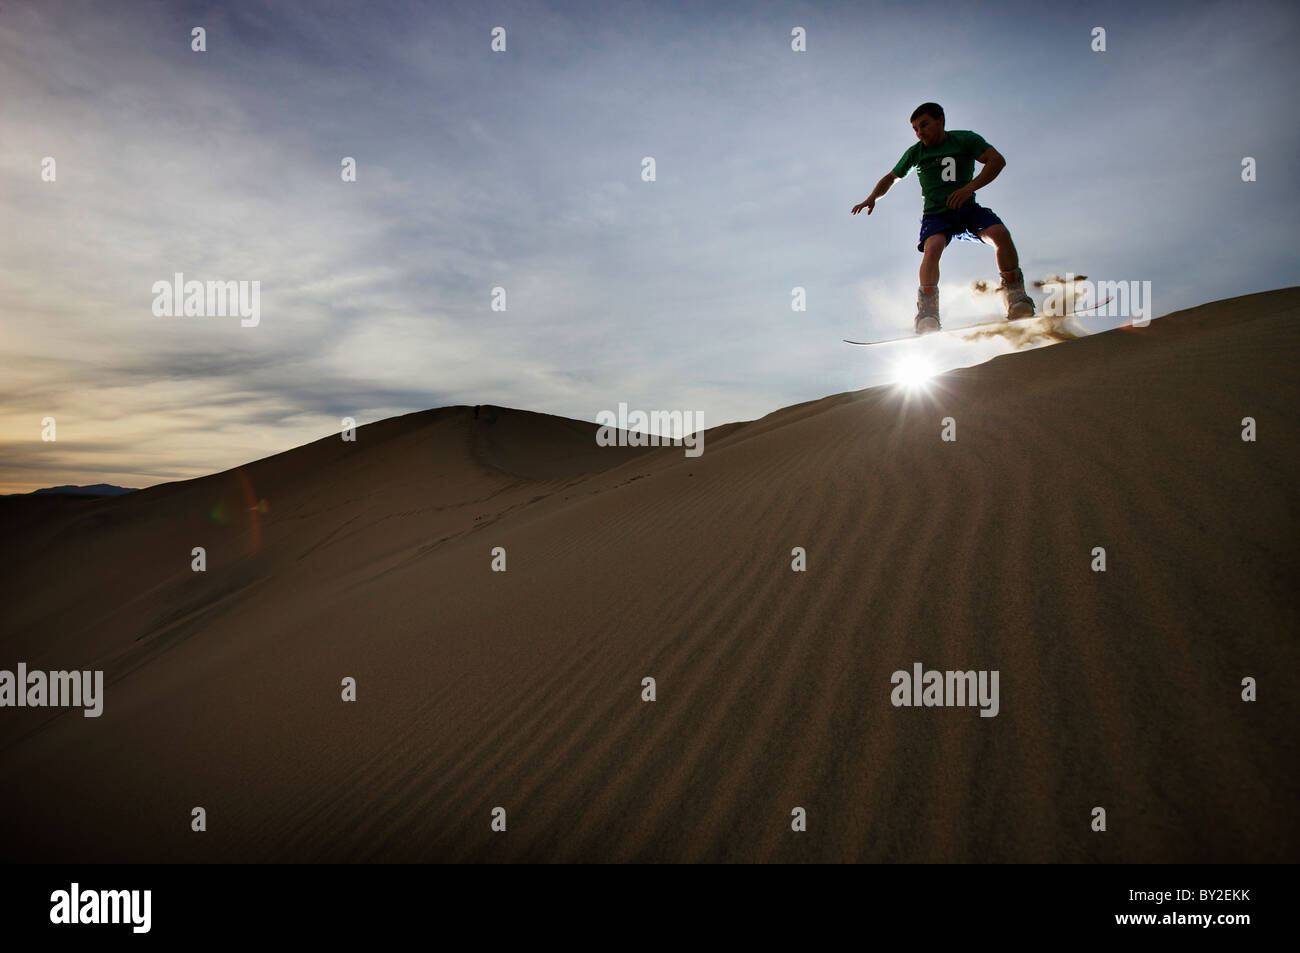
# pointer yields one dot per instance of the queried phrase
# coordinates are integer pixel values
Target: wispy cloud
(522, 170)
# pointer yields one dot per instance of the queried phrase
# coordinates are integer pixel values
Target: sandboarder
(944, 164)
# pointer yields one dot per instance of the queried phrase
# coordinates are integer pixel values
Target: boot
(1017, 302)
(927, 309)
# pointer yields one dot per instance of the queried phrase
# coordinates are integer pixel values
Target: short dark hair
(933, 110)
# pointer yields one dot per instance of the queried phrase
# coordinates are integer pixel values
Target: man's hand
(881, 188)
(960, 197)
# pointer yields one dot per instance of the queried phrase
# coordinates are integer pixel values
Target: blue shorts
(962, 223)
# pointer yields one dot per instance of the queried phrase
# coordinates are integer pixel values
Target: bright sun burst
(913, 372)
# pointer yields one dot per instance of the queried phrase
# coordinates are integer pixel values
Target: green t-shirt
(963, 146)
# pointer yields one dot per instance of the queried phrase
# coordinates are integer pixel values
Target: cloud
(523, 170)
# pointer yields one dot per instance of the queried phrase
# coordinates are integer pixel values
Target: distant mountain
(95, 489)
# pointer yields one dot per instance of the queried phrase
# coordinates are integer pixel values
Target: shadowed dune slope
(522, 689)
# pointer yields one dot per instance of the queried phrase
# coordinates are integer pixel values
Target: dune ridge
(522, 689)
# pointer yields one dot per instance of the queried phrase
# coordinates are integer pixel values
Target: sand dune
(522, 689)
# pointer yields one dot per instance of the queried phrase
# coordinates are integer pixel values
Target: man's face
(928, 129)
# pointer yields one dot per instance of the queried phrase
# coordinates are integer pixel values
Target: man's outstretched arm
(881, 188)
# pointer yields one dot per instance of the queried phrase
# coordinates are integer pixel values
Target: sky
(522, 169)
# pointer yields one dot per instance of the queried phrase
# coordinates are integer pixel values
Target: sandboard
(1003, 322)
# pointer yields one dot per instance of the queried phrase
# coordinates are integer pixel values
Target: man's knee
(996, 235)
(934, 246)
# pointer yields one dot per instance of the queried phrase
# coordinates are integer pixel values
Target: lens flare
(913, 373)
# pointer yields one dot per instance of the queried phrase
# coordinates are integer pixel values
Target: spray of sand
(1042, 329)
(1045, 328)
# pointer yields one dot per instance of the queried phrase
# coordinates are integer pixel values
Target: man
(944, 163)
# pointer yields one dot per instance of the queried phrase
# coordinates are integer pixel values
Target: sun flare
(913, 373)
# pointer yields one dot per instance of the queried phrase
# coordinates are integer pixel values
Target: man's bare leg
(927, 297)
(1014, 297)
(1005, 248)
(934, 246)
